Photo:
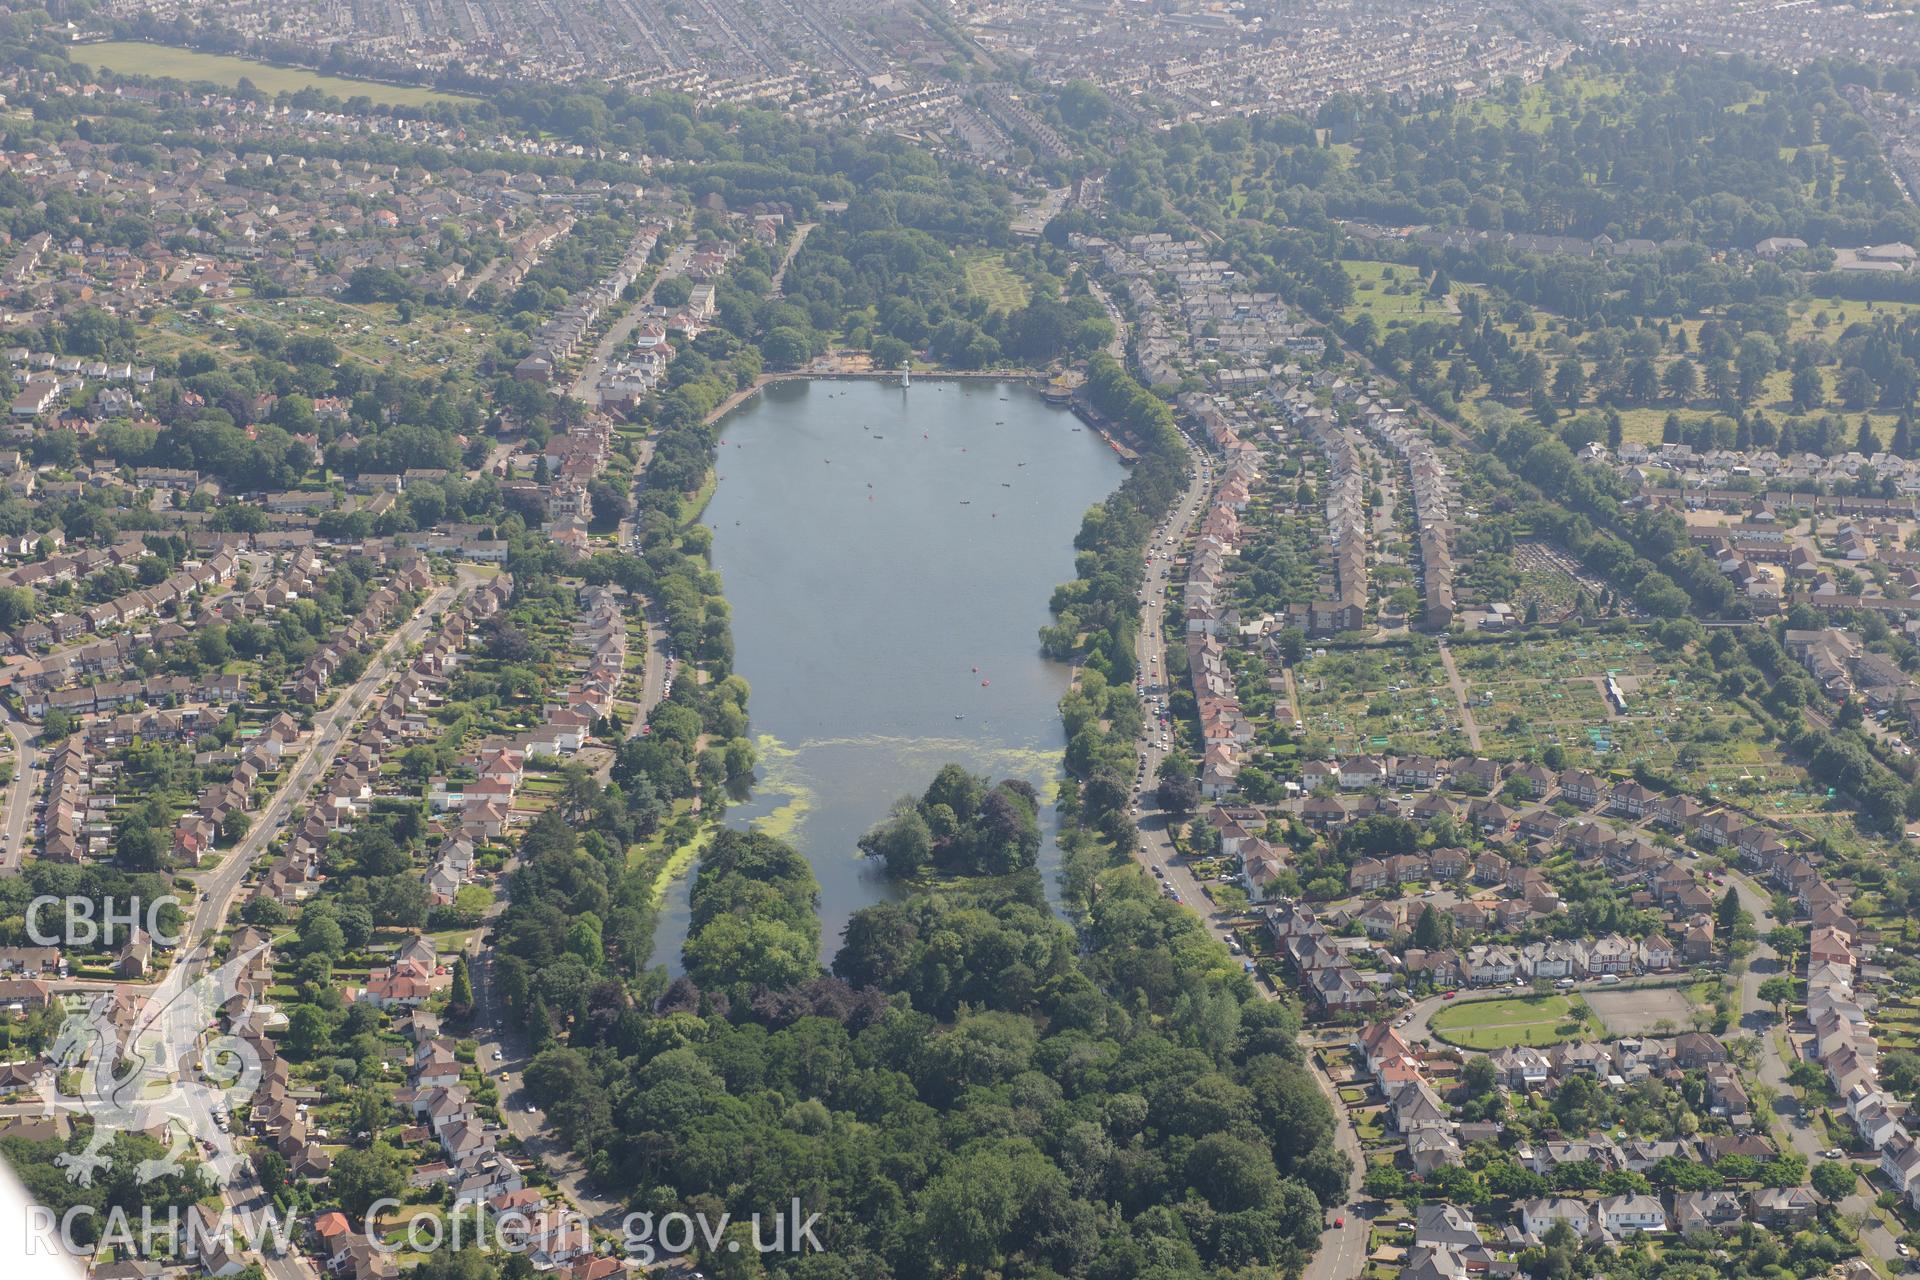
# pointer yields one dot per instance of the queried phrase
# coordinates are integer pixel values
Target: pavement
(1117, 345)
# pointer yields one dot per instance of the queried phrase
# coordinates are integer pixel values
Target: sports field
(136, 58)
(1521, 1020)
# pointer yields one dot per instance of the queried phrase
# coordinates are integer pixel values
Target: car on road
(1448, 995)
(1832, 1153)
(1157, 872)
(496, 1055)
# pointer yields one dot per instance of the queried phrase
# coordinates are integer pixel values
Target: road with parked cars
(1343, 1243)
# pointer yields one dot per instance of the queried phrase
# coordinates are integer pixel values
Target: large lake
(889, 554)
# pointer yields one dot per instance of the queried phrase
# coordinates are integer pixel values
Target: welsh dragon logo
(173, 1070)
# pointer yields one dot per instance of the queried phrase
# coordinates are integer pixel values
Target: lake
(889, 554)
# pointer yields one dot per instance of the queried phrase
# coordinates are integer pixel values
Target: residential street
(1342, 1251)
(1756, 1016)
(587, 386)
(504, 1053)
(19, 793)
(218, 888)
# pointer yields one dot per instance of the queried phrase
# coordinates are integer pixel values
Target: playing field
(135, 58)
(1498, 1024)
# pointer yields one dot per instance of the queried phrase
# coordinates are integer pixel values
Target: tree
(1777, 991)
(1756, 358)
(359, 1177)
(1856, 389)
(1681, 381)
(1788, 941)
(1569, 382)
(1384, 1182)
(320, 934)
(234, 827)
(1509, 1180)
(1426, 930)
(903, 842)
(672, 291)
(309, 1032)
(460, 995)
(1728, 914)
(1233, 1174)
(1642, 382)
(1808, 390)
(139, 847)
(1179, 790)
(1835, 1179)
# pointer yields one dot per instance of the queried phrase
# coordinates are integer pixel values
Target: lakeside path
(828, 369)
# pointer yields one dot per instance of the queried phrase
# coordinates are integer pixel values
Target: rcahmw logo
(170, 1072)
(168, 1233)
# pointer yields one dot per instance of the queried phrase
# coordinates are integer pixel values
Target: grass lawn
(1520, 1020)
(1535, 106)
(136, 58)
(991, 278)
(1487, 1013)
(1399, 296)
